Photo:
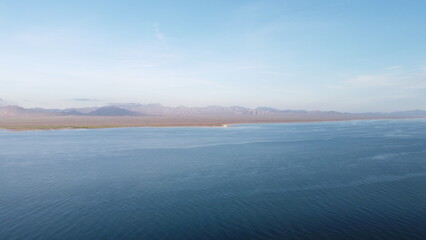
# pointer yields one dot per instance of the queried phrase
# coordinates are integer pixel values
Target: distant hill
(72, 112)
(419, 113)
(232, 112)
(16, 111)
(101, 111)
(112, 111)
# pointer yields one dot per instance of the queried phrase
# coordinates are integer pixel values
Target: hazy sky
(328, 55)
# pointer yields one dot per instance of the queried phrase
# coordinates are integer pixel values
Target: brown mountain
(16, 111)
(112, 111)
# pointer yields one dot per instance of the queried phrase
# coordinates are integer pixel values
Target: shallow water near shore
(327, 180)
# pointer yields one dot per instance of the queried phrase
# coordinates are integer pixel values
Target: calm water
(341, 180)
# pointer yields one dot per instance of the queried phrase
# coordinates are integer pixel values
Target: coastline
(52, 126)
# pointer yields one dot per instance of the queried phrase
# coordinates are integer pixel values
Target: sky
(354, 56)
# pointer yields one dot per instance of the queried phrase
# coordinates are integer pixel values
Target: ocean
(327, 180)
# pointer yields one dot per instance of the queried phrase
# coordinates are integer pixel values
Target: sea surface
(329, 180)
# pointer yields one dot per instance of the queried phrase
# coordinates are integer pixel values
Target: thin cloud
(157, 33)
(3, 102)
(252, 67)
(371, 81)
(397, 80)
(85, 100)
(203, 82)
(393, 67)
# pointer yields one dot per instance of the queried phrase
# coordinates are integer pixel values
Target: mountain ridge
(156, 109)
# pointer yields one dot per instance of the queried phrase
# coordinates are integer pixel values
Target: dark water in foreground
(341, 180)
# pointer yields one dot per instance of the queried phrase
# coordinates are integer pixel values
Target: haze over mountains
(136, 109)
(2, 102)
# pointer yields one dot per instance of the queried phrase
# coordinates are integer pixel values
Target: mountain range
(136, 109)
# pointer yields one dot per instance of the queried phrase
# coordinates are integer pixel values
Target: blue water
(333, 180)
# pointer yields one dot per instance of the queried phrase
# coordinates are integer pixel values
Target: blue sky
(326, 55)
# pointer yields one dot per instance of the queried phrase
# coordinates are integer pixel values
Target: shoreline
(52, 127)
